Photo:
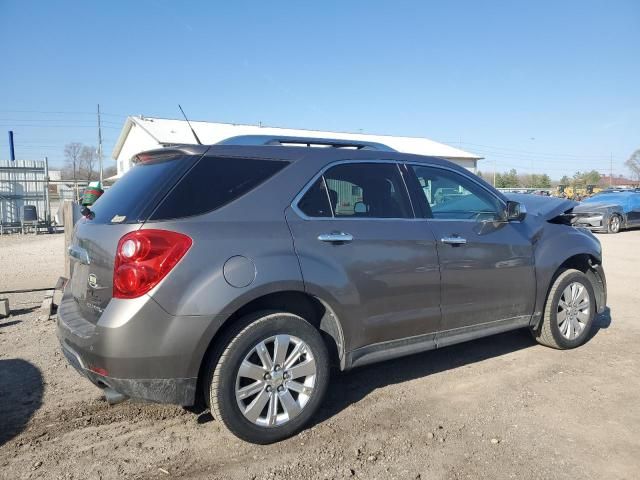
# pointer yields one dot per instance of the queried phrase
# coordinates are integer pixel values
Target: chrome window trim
(309, 184)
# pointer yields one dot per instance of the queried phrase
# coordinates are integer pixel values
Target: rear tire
(569, 311)
(270, 378)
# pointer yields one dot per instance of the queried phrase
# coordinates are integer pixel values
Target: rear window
(214, 182)
(133, 197)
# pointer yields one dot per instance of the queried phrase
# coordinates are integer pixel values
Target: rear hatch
(165, 184)
(122, 209)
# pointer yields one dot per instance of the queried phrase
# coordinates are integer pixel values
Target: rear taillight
(144, 258)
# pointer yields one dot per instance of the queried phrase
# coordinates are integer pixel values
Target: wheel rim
(275, 380)
(573, 310)
(614, 223)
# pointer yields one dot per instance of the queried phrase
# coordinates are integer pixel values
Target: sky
(542, 86)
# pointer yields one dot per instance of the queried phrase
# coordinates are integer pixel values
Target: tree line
(511, 179)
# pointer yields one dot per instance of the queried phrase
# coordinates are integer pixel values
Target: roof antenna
(189, 123)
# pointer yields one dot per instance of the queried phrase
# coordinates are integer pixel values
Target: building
(146, 133)
(22, 184)
(619, 181)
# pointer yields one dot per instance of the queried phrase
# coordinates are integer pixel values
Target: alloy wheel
(573, 310)
(275, 380)
(614, 224)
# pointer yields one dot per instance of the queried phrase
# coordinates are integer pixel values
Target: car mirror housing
(515, 211)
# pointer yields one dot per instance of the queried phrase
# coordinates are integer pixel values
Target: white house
(146, 133)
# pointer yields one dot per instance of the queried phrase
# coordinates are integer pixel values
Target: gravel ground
(30, 261)
(500, 407)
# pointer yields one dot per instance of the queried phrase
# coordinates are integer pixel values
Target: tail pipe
(112, 397)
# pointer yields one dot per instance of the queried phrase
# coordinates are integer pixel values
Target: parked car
(227, 273)
(609, 211)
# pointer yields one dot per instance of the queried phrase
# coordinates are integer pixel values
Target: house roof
(606, 180)
(167, 131)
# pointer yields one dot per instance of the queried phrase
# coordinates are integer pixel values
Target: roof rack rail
(256, 140)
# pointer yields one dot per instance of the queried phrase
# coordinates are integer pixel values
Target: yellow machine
(574, 191)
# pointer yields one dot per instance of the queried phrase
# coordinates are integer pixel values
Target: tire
(615, 224)
(232, 394)
(554, 331)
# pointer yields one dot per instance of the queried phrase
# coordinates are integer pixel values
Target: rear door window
(214, 182)
(354, 190)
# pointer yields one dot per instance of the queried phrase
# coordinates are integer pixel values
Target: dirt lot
(30, 261)
(501, 407)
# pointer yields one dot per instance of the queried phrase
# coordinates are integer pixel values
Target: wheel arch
(313, 309)
(588, 263)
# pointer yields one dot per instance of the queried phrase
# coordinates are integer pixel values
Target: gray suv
(237, 274)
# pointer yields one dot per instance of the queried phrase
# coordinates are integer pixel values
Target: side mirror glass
(515, 212)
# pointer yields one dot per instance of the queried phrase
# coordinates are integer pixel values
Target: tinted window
(136, 194)
(214, 182)
(370, 190)
(450, 195)
(315, 203)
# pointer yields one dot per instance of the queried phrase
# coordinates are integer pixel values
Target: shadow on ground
(21, 390)
(352, 386)
(8, 324)
(21, 311)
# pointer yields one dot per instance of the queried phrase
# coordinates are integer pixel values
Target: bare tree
(88, 159)
(633, 164)
(72, 155)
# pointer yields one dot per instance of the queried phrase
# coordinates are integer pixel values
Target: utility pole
(47, 203)
(75, 178)
(100, 145)
(494, 171)
(611, 171)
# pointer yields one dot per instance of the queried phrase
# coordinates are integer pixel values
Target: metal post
(75, 180)
(611, 172)
(100, 145)
(47, 213)
(12, 152)
(494, 171)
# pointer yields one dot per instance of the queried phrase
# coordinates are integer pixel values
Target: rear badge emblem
(93, 280)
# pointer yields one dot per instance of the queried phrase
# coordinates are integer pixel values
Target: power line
(65, 113)
(54, 126)
(530, 152)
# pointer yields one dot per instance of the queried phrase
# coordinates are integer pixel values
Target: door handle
(340, 237)
(454, 240)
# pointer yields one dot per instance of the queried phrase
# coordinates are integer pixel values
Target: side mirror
(515, 212)
(360, 207)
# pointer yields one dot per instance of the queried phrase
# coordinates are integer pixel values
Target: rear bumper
(136, 348)
(179, 391)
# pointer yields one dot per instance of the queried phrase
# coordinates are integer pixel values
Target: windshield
(137, 193)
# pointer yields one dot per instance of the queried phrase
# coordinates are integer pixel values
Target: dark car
(609, 211)
(236, 274)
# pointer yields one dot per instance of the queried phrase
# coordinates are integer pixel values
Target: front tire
(569, 311)
(271, 377)
(615, 223)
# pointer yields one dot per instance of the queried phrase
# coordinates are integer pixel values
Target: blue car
(609, 211)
